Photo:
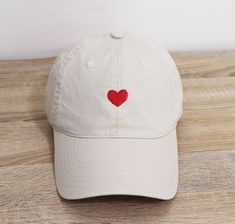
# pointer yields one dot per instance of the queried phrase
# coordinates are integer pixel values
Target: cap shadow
(118, 208)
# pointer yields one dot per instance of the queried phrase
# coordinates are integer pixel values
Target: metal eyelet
(142, 64)
(90, 64)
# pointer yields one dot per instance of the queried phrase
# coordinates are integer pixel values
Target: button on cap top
(117, 35)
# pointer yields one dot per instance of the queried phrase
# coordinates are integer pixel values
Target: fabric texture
(106, 166)
(154, 90)
(117, 98)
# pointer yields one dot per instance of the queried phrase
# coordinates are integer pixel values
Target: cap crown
(108, 87)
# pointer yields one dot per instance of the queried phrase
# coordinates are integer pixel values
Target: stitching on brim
(164, 133)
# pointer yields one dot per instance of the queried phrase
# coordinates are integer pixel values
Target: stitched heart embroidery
(117, 98)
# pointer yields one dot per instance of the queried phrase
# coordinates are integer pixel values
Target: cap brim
(89, 167)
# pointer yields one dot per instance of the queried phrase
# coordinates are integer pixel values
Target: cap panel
(51, 83)
(84, 109)
(155, 91)
(54, 84)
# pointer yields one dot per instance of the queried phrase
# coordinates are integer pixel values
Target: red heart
(117, 98)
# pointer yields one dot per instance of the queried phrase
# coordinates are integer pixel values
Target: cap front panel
(154, 87)
(84, 108)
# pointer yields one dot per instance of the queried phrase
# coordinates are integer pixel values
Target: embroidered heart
(117, 98)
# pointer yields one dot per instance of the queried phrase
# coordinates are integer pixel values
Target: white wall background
(42, 28)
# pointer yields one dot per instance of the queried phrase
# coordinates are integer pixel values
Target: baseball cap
(114, 101)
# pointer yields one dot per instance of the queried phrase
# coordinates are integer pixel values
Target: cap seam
(59, 80)
(173, 127)
(116, 44)
(118, 74)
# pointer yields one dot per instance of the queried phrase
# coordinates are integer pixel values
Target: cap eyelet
(90, 64)
(142, 64)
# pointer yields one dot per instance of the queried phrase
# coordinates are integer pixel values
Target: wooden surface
(206, 136)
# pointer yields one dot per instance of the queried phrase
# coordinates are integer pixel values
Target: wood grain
(206, 136)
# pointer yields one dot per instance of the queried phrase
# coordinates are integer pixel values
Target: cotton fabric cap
(114, 102)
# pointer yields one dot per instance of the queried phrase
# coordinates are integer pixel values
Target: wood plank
(22, 87)
(26, 142)
(209, 93)
(194, 208)
(205, 64)
(206, 130)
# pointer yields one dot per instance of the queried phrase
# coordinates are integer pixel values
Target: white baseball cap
(114, 101)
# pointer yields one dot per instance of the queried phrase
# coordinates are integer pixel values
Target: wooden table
(206, 136)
